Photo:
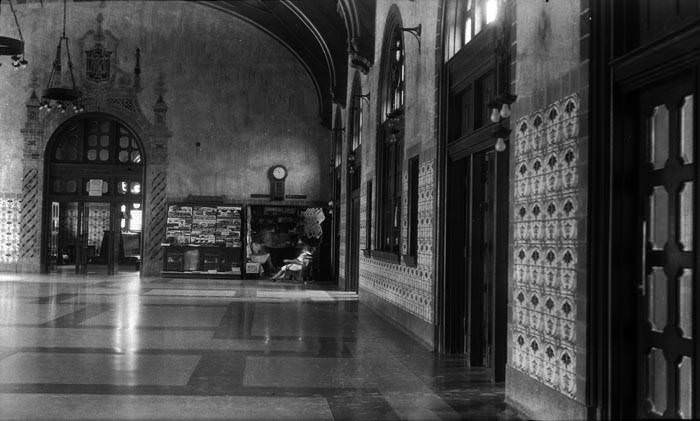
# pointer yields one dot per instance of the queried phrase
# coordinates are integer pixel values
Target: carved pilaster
(32, 182)
(156, 182)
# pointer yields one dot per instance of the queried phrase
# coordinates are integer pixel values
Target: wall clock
(277, 174)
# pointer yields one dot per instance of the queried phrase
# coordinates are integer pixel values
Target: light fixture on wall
(415, 31)
(500, 106)
(14, 47)
(56, 95)
(364, 96)
(501, 134)
(351, 162)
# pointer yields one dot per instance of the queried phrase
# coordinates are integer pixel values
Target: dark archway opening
(93, 218)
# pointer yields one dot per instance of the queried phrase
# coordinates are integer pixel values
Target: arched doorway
(93, 197)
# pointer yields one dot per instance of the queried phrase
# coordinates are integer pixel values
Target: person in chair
(294, 265)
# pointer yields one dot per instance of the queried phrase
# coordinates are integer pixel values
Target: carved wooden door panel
(668, 182)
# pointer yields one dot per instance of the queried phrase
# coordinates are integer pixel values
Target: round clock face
(279, 172)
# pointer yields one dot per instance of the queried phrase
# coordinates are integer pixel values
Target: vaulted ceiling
(322, 34)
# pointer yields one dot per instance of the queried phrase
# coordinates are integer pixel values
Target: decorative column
(32, 188)
(156, 183)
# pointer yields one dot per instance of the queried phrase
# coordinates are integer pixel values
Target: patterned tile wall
(548, 217)
(10, 210)
(409, 288)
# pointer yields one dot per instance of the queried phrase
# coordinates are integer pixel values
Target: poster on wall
(203, 225)
(179, 224)
(228, 226)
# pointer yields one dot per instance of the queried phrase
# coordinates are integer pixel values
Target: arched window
(337, 141)
(390, 135)
(356, 115)
(465, 19)
(394, 80)
(96, 141)
(355, 122)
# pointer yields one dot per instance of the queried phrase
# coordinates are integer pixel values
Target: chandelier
(14, 47)
(57, 95)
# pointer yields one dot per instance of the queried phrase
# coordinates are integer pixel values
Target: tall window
(355, 136)
(465, 19)
(337, 159)
(390, 139)
(337, 142)
(394, 83)
(357, 116)
(413, 179)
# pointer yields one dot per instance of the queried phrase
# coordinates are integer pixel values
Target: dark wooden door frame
(461, 299)
(615, 72)
(352, 282)
(337, 223)
(104, 170)
(352, 224)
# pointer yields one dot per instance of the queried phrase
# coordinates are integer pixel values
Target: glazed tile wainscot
(547, 223)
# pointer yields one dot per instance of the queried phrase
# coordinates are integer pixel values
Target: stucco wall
(228, 85)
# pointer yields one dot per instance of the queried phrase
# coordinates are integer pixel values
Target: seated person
(294, 265)
(259, 254)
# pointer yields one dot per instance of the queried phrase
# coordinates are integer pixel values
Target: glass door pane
(667, 181)
(130, 216)
(64, 238)
(98, 237)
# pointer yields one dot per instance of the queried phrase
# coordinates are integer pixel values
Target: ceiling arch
(320, 33)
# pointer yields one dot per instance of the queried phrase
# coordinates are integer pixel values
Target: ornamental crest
(97, 64)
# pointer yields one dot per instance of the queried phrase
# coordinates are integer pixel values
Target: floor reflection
(95, 346)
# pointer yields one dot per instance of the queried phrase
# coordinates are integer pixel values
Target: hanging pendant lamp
(56, 95)
(14, 46)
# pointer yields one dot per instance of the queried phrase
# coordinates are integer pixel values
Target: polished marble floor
(98, 347)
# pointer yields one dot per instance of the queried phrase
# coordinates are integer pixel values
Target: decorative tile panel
(547, 235)
(10, 211)
(409, 288)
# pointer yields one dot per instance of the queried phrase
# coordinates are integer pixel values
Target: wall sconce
(415, 31)
(364, 96)
(198, 148)
(501, 134)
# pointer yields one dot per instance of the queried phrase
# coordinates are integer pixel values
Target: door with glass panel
(93, 202)
(667, 349)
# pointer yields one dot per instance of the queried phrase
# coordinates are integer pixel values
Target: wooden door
(354, 243)
(456, 252)
(483, 245)
(667, 298)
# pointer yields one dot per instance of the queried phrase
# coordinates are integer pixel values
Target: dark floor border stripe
(110, 389)
(320, 353)
(79, 316)
(51, 299)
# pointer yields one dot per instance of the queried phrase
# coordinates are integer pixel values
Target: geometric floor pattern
(98, 347)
